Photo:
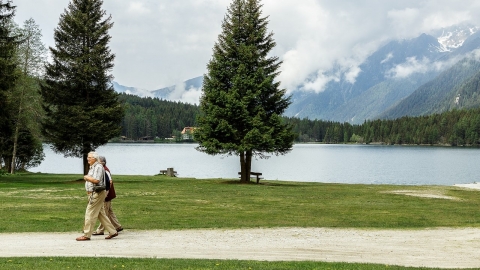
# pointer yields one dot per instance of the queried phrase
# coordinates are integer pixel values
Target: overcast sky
(159, 43)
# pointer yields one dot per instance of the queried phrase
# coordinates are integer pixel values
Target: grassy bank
(56, 203)
(54, 263)
(48, 203)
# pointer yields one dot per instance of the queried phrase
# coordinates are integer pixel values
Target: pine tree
(25, 98)
(82, 109)
(8, 76)
(241, 103)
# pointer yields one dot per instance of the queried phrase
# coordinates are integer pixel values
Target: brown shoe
(82, 238)
(120, 229)
(110, 236)
(97, 233)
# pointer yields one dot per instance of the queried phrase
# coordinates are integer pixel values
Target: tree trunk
(14, 153)
(8, 163)
(17, 129)
(249, 163)
(86, 149)
(245, 166)
(243, 171)
(86, 166)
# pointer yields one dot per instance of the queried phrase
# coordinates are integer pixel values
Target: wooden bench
(256, 174)
(168, 172)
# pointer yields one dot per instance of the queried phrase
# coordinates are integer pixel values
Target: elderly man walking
(95, 177)
(108, 202)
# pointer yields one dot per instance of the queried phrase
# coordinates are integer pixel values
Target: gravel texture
(436, 247)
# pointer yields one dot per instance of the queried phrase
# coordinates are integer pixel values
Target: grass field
(56, 203)
(55, 263)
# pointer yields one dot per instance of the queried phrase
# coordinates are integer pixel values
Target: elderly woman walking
(108, 202)
(95, 177)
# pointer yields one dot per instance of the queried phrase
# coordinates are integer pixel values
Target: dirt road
(445, 248)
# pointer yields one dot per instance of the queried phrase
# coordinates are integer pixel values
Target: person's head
(92, 157)
(102, 160)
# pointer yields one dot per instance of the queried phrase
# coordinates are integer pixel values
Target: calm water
(367, 164)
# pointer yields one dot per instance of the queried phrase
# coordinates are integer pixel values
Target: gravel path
(444, 248)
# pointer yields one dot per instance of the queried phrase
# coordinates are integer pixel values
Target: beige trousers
(111, 215)
(95, 210)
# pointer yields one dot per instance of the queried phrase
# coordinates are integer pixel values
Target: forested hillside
(154, 117)
(456, 128)
(441, 94)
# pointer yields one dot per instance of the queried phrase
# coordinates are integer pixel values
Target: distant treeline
(457, 127)
(153, 117)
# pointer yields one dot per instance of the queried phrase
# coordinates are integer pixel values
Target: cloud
(352, 74)
(318, 83)
(325, 37)
(387, 58)
(329, 36)
(181, 94)
(410, 66)
(424, 65)
(160, 42)
(137, 8)
(192, 96)
(140, 92)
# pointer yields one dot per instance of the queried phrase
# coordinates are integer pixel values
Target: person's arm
(110, 176)
(88, 178)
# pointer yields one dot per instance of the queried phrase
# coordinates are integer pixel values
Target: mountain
(454, 36)
(389, 75)
(130, 90)
(167, 93)
(404, 77)
(380, 97)
(443, 93)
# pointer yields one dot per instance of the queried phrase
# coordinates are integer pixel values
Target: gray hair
(94, 155)
(102, 160)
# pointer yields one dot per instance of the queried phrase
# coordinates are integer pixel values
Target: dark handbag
(111, 194)
(98, 188)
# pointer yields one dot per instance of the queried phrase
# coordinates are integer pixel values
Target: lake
(365, 164)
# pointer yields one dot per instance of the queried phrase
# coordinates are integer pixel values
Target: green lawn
(54, 263)
(50, 202)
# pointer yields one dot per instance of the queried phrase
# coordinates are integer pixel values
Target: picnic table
(255, 174)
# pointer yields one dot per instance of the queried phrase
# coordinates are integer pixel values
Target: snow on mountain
(453, 37)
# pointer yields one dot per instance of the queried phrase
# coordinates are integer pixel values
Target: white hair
(94, 155)
(102, 160)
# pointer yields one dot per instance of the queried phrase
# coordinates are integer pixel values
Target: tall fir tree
(82, 109)
(8, 76)
(242, 104)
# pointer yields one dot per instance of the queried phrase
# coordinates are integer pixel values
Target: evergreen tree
(82, 109)
(241, 105)
(25, 98)
(8, 75)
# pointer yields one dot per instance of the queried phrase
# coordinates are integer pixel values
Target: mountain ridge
(391, 78)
